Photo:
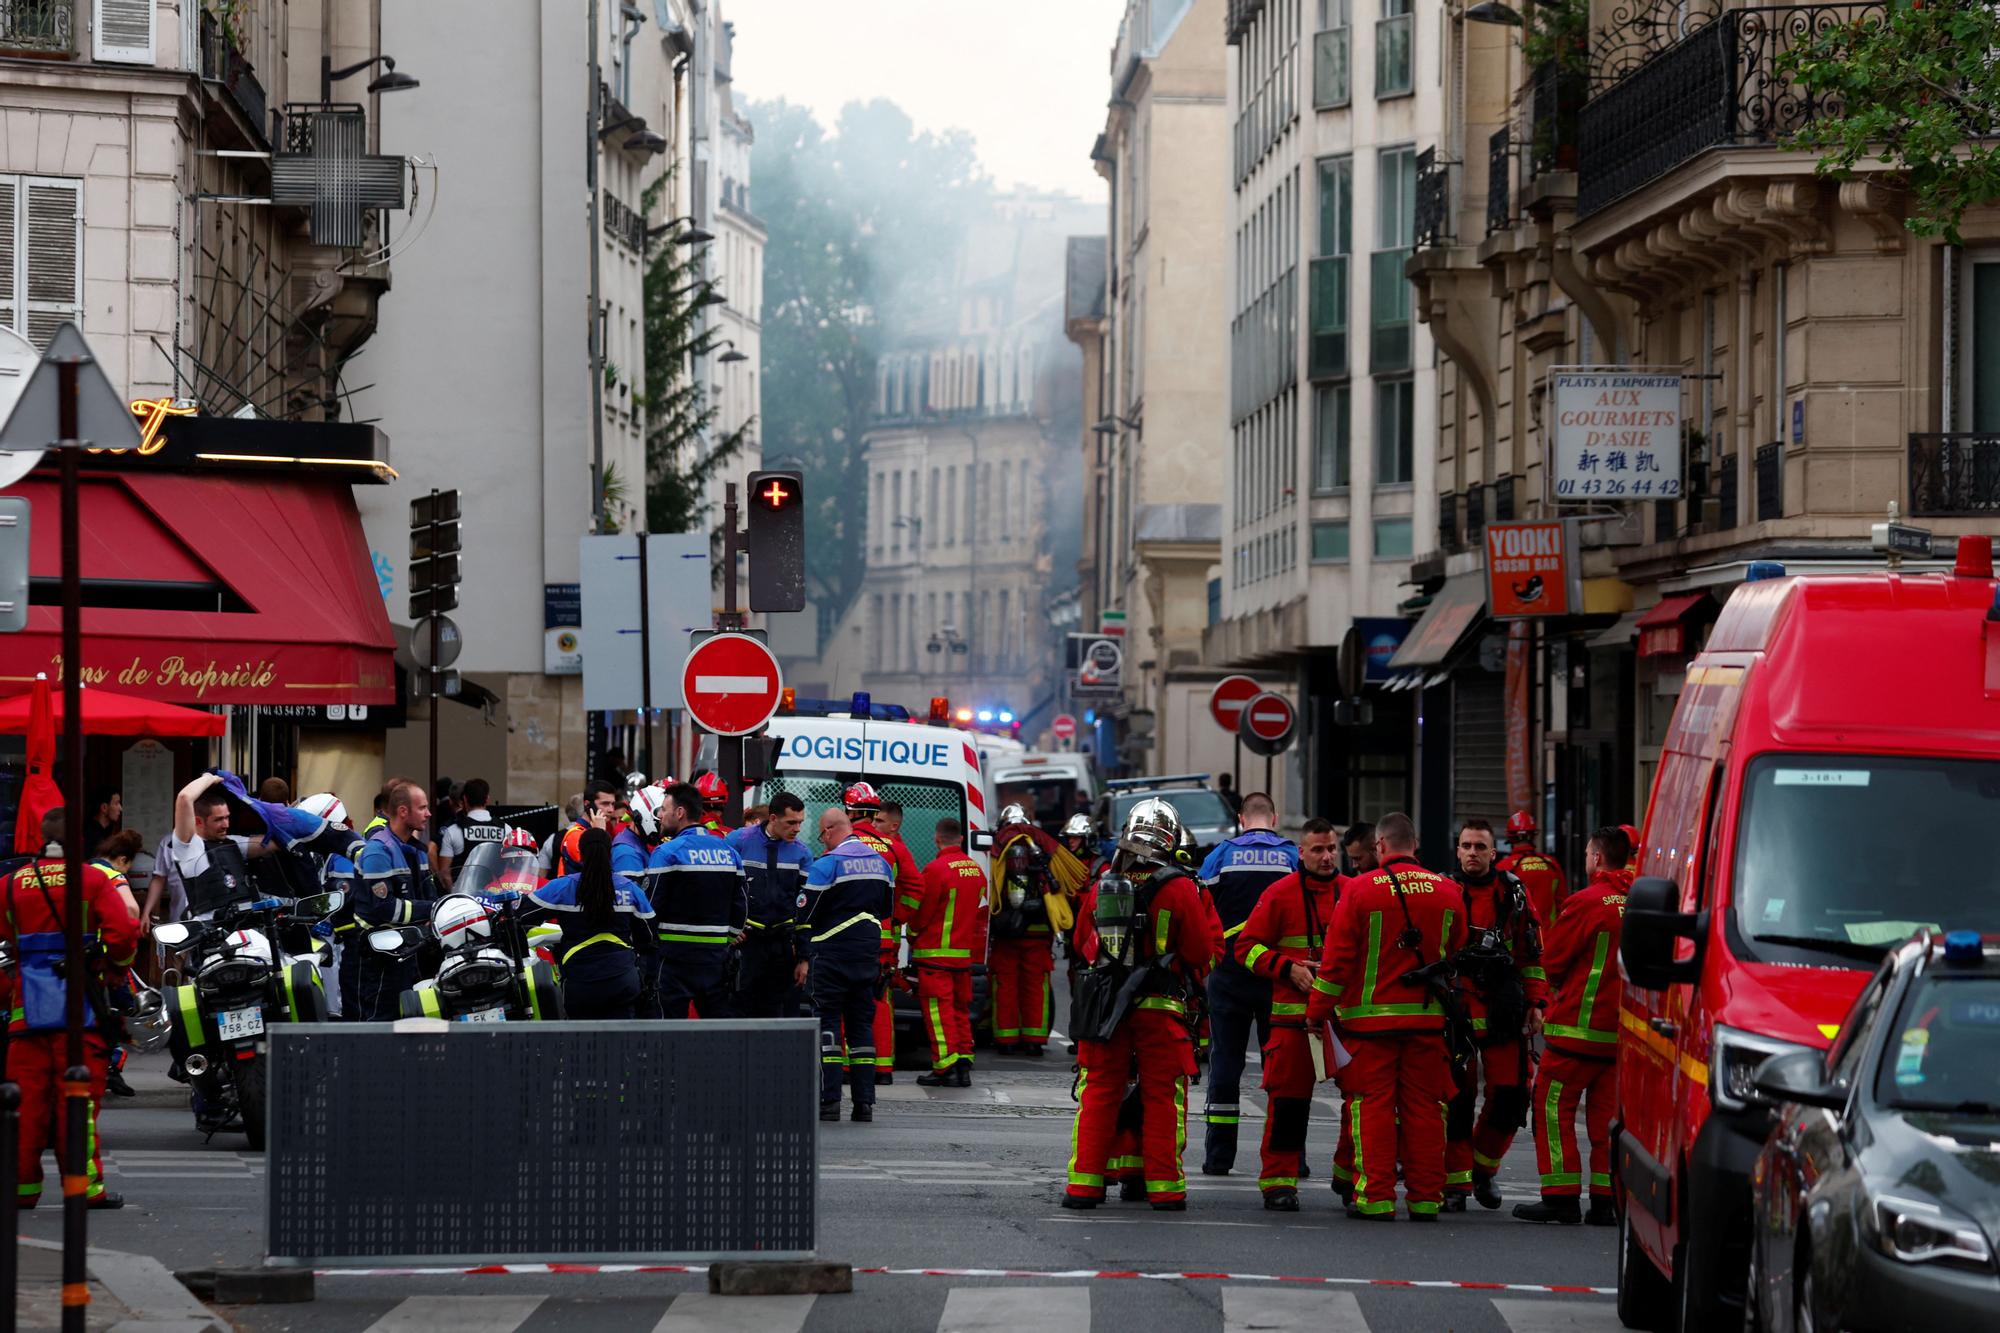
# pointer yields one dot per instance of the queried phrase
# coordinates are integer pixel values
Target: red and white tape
(1088, 1274)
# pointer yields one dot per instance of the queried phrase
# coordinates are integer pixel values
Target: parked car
(1203, 813)
(1877, 1194)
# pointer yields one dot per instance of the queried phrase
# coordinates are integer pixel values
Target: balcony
(1716, 87)
(1769, 465)
(1555, 101)
(1499, 180)
(1954, 476)
(1433, 206)
(41, 29)
(222, 63)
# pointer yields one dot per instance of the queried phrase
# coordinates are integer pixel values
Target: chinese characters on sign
(1617, 435)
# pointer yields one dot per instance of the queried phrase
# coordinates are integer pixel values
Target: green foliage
(1557, 31)
(1916, 87)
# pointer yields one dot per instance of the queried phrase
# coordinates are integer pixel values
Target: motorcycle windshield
(490, 868)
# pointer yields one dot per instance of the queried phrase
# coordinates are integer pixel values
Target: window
(1980, 362)
(877, 513)
(896, 514)
(1395, 432)
(1327, 347)
(1006, 508)
(1392, 538)
(877, 625)
(1330, 55)
(1389, 307)
(931, 512)
(1332, 437)
(1329, 541)
(1006, 631)
(950, 511)
(1780, 413)
(1393, 66)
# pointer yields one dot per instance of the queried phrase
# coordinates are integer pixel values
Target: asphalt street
(944, 1187)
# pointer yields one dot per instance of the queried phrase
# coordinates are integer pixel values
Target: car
(1876, 1200)
(1203, 813)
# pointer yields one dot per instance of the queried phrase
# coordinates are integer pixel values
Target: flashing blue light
(862, 705)
(1090, 717)
(1006, 716)
(1763, 569)
(985, 715)
(1963, 946)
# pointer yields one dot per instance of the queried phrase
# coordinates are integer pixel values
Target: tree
(1916, 87)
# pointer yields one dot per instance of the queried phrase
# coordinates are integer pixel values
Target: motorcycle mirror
(319, 906)
(171, 933)
(385, 941)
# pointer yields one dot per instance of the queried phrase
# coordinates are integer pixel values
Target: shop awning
(1663, 628)
(1454, 610)
(108, 713)
(1618, 634)
(211, 589)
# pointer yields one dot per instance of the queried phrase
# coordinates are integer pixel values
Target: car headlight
(1917, 1231)
(1733, 1057)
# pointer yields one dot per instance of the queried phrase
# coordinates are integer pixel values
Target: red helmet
(1520, 824)
(520, 837)
(714, 791)
(861, 796)
(1631, 837)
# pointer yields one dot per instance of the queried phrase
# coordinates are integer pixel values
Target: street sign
(437, 507)
(731, 683)
(1267, 723)
(1902, 539)
(103, 419)
(1095, 663)
(18, 360)
(1226, 700)
(450, 645)
(13, 564)
(1063, 728)
(433, 601)
(613, 635)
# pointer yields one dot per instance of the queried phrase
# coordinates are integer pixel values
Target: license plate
(233, 1023)
(484, 1016)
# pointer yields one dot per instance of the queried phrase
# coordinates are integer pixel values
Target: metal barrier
(542, 1142)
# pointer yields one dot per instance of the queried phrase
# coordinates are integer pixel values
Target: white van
(1052, 785)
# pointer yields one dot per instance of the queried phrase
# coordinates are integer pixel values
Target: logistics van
(1827, 786)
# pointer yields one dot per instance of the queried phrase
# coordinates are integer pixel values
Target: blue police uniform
(774, 873)
(599, 962)
(628, 854)
(840, 915)
(695, 881)
(1237, 872)
(393, 888)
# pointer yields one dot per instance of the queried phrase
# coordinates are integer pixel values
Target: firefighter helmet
(1013, 813)
(1520, 824)
(861, 796)
(648, 803)
(714, 791)
(1152, 832)
(520, 837)
(1079, 826)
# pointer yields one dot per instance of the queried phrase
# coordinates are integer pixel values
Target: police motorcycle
(489, 971)
(243, 968)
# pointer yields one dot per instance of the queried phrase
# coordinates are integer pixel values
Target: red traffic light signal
(777, 491)
(775, 539)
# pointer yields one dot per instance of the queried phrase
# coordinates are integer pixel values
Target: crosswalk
(1245, 1308)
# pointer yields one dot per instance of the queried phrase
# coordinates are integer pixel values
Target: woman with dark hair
(606, 923)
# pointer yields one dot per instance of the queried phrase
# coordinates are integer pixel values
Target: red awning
(108, 713)
(212, 589)
(1663, 629)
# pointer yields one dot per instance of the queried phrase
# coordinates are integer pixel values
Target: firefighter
(947, 936)
(1149, 941)
(696, 885)
(1023, 955)
(1379, 981)
(1079, 838)
(37, 1032)
(1236, 874)
(1506, 993)
(841, 910)
(714, 796)
(1532, 866)
(774, 866)
(1281, 943)
(1582, 1036)
(863, 808)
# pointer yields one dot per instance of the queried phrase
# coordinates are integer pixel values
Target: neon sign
(153, 414)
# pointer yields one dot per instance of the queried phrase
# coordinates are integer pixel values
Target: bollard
(10, 1138)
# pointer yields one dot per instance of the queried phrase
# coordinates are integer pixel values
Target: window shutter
(55, 257)
(121, 31)
(10, 254)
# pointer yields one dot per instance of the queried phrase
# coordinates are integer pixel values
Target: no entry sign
(1266, 723)
(731, 683)
(1226, 700)
(1064, 727)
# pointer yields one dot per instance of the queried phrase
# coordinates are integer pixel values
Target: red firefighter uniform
(1473, 1149)
(1390, 922)
(1540, 874)
(1582, 1033)
(1153, 1040)
(1021, 969)
(909, 888)
(36, 1038)
(1124, 1165)
(947, 928)
(1288, 925)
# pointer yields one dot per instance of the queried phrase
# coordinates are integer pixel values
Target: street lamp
(693, 235)
(732, 356)
(643, 139)
(389, 81)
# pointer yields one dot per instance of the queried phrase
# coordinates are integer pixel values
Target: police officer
(395, 888)
(774, 864)
(695, 881)
(634, 838)
(214, 866)
(841, 910)
(1236, 873)
(607, 925)
(864, 808)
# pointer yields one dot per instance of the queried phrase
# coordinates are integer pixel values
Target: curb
(145, 1286)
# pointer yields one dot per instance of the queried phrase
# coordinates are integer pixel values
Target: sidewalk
(147, 1073)
(129, 1293)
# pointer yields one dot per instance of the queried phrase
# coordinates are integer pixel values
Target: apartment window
(1327, 346)
(1979, 360)
(950, 510)
(1389, 306)
(1332, 437)
(1780, 380)
(931, 511)
(1395, 432)
(1393, 538)
(878, 637)
(878, 513)
(1331, 46)
(1006, 508)
(1006, 631)
(1393, 66)
(1329, 541)
(896, 514)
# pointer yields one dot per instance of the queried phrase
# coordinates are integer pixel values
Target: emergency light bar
(799, 706)
(1174, 780)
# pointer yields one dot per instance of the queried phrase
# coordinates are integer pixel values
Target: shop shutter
(1478, 745)
(54, 244)
(121, 31)
(10, 253)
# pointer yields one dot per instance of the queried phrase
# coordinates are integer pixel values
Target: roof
(1086, 278)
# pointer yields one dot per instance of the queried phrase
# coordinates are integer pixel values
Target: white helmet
(1013, 813)
(1152, 832)
(326, 806)
(246, 944)
(647, 805)
(458, 919)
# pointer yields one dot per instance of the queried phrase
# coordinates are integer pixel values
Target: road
(944, 1182)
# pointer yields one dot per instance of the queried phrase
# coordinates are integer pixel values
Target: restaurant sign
(217, 674)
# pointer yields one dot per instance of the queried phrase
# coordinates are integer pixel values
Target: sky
(1028, 79)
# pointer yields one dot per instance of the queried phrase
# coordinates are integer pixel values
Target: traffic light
(776, 541)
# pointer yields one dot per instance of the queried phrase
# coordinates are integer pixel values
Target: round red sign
(1064, 727)
(1226, 700)
(731, 683)
(1269, 717)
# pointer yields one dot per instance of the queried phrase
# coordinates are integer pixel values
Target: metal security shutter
(121, 31)
(1478, 745)
(53, 268)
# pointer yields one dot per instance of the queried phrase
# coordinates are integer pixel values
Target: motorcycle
(480, 979)
(245, 967)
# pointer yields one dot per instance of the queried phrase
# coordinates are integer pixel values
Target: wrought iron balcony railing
(1718, 86)
(1499, 180)
(222, 63)
(1769, 465)
(1433, 212)
(1954, 476)
(41, 28)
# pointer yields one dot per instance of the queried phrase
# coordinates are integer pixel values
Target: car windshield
(1198, 807)
(1840, 857)
(1944, 1050)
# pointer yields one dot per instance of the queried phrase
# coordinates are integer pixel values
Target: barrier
(422, 1142)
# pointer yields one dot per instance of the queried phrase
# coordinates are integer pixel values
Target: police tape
(1072, 1274)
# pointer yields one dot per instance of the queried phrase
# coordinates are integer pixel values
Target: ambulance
(1825, 790)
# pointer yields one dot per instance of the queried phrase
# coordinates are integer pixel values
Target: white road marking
(699, 1312)
(458, 1314)
(1010, 1309)
(1248, 1309)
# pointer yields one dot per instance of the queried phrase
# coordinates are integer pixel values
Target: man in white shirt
(212, 865)
(475, 826)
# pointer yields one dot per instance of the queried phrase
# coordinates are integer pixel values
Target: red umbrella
(39, 794)
(106, 713)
